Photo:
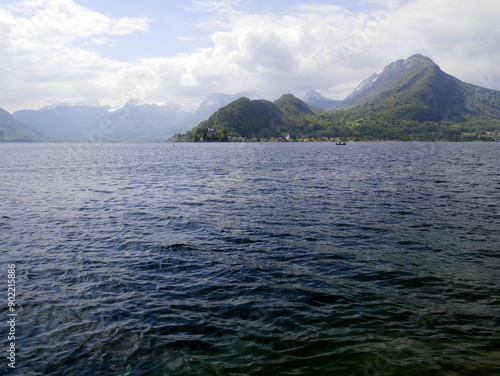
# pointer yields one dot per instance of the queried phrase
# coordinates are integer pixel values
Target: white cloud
(276, 54)
(220, 13)
(49, 55)
(183, 38)
(462, 37)
(329, 48)
(60, 21)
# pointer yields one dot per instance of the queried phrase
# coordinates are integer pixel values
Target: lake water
(253, 259)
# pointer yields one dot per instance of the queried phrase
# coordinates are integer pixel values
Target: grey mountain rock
(312, 98)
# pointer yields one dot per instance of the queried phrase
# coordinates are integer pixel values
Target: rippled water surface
(253, 259)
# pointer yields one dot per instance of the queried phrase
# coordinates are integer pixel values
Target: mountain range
(12, 130)
(410, 99)
(89, 120)
(315, 99)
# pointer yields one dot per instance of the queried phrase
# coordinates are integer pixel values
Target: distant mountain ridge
(135, 120)
(315, 99)
(369, 86)
(62, 121)
(414, 89)
(12, 130)
(211, 104)
(409, 99)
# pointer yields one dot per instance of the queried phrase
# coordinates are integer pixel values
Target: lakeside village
(287, 138)
(210, 136)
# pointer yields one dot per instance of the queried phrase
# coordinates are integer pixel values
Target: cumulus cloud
(60, 21)
(49, 54)
(303, 50)
(45, 50)
(460, 36)
(331, 49)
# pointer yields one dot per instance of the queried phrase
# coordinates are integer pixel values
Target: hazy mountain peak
(412, 62)
(313, 98)
(186, 107)
(390, 73)
(418, 58)
(213, 99)
(81, 103)
(251, 94)
(88, 103)
(220, 99)
(312, 95)
(56, 105)
(134, 102)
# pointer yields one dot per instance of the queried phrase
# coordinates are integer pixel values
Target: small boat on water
(341, 143)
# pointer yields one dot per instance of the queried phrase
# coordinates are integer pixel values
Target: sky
(162, 51)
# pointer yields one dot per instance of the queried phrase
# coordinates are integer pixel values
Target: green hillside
(12, 131)
(411, 99)
(241, 118)
(292, 106)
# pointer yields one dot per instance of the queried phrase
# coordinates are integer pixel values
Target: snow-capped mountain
(134, 120)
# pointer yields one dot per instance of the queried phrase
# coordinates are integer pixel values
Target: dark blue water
(253, 259)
